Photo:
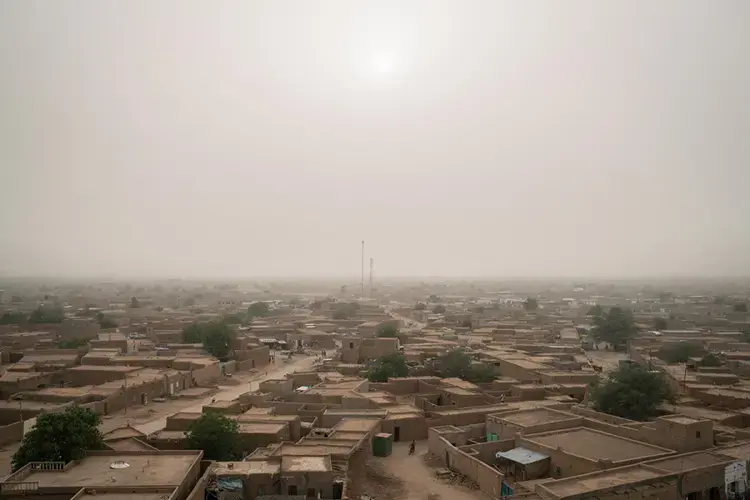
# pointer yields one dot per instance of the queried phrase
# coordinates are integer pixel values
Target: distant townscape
(403, 389)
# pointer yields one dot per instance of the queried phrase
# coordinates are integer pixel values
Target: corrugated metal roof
(521, 456)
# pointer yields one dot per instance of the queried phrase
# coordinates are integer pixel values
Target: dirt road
(409, 477)
(228, 393)
(153, 417)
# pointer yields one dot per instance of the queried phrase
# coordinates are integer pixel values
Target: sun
(382, 64)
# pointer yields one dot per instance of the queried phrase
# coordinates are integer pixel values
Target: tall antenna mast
(372, 267)
(362, 283)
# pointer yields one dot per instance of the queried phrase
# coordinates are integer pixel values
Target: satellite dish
(119, 465)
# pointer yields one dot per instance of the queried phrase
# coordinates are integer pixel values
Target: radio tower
(362, 283)
(372, 268)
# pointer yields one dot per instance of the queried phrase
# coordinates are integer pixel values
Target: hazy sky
(477, 138)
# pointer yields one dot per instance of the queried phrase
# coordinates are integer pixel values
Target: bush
(60, 437)
(387, 331)
(388, 366)
(632, 392)
(680, 352)
(217, 435)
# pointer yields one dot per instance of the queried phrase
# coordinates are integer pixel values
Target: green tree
(387, 331)
(740, 307)
(218, 339)
(13, 318)
(660, 324)
(135, 303)
(47, 315)
(711, 360)
(388, 366)
(60, 437)
(193, 334)
(232, 319)
(434, 298)
(217, 435)
(257, 310)
(72, 343)
(481, 373)
(720, 300)
(104, 321)
(530, 304)
(680, 352)
(438, 309)
(631, 392)
(616, 327)
(345, 311)
(596, 310)
(420, 306)
(455, 363)
(466, 323)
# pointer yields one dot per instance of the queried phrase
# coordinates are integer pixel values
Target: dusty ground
(153, 417)
(408, 477)
(608, 360)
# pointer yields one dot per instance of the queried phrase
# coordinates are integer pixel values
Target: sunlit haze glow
(244, 138)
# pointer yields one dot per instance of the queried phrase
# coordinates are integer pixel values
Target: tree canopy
(420, 306)
(233, 319)
(257, 310)
(216, 434)
(632, 392)
(13, 318)
(615, 327)
(346, 311)
(135, 303)
(438, 309)
(104, 321)
(74, 343)
(216, 337)
(680, 352)
(595, 310)
(457, 363)
(387, 331)
(740, 307)
(60, 437)
(388, 366)
(47, 315)
(530, 304)
(660, 324)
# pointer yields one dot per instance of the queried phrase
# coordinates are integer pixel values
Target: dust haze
(245, 138)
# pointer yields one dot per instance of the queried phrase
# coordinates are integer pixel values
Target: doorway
(338, 489)
(397, 433)
(292, 490)
(144, 398)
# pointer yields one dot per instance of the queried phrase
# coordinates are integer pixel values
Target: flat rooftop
(589, 483)
(595, 445)
(88, 494)
(250, 467)
(740, 451)
(260, 428)
(536, 417)
(681, 419)
(691, 461)
(306, 464)
(458, 391)
(152, 469)
(356, 424)
(104, 368)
